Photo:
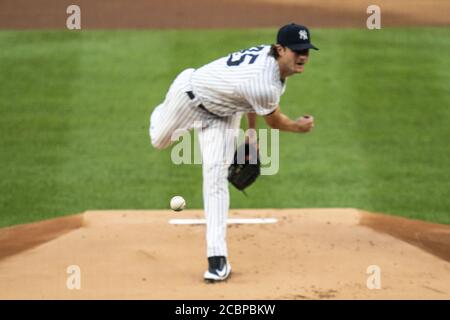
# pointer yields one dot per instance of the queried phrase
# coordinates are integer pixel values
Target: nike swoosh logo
(221, 273)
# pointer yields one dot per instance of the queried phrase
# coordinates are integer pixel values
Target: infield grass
(74, 109)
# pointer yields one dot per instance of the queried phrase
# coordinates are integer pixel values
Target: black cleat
(219, 269)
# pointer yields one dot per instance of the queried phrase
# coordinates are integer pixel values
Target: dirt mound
(307, 254)
(16, 239)
(434, 238)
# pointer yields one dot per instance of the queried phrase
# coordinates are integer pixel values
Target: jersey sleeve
(262, 96)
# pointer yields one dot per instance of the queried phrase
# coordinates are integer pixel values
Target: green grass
(74, 109)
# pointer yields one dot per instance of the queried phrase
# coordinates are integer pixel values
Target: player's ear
(280, 49)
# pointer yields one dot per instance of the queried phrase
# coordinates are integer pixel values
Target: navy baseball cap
(295, 37)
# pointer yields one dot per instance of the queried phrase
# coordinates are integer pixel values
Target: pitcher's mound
(307, 254)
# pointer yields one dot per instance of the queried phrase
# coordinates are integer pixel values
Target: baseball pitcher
(214, 97)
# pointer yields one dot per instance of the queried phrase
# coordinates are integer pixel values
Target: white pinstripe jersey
(244, 81)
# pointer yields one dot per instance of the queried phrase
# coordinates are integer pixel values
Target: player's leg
(217, 143)
(175, 113)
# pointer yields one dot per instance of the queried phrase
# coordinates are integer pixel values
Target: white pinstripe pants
(178, 111)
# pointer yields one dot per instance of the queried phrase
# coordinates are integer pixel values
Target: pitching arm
(278, 120)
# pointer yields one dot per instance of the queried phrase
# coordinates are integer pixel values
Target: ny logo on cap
(303, 35)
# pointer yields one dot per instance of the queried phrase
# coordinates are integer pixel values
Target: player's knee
(159, 143)
(157, 139)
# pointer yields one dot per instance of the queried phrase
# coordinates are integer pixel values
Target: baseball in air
(177, 203)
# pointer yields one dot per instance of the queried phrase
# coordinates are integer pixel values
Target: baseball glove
(246, 166)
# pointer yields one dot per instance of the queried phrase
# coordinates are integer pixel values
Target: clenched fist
(305, 123)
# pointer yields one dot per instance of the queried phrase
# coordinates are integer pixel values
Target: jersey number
(237, 58)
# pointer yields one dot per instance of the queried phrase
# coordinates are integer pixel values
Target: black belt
(191, 96)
